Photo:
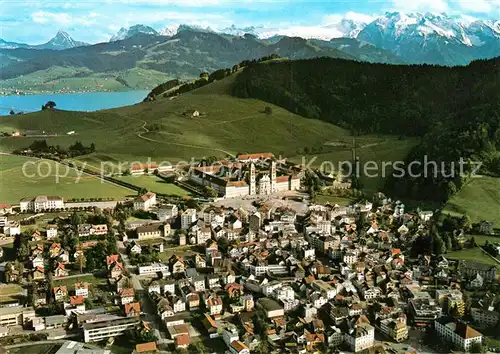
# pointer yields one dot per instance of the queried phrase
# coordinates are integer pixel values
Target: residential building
(145, 202)
(5, 209)
(394, 329)
(60, 271)
(12, 228)
(214, 306)
(167, 212)
(51, 232)
(60, 293)
(16, 315)
(471, 268)
(132, 309)
(98, 331)
(238, 347)
(360, 337)
(82, 289)
(458, 333)
(86, 230)
(188, 218)
(153, 268)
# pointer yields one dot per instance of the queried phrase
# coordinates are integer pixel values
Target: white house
(82, 289)
(458, 333)
(13, 228)
(167, 212)
(51, 232)
(153, 268)
(145, 202)
(360, 337)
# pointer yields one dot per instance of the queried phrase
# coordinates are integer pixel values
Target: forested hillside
(455, 110)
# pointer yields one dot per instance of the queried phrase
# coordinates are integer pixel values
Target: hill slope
(184, 55)
(372, 97)
(161, 130)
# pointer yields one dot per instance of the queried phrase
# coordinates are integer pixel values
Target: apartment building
(458, 333)
(188, 218)
(14, 316)
(361, 337)
(97, 331)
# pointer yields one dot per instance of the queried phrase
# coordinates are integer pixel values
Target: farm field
(479, 199)
(16, 184)
(155, 184)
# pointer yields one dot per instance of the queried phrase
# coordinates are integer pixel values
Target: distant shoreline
(13, 94)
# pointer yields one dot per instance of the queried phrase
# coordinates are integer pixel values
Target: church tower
(272, 175)
(252, 179)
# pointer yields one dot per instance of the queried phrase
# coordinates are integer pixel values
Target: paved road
(146, 305)
(42, 342)
(73, 276)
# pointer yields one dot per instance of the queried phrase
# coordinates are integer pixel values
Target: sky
(93, 21)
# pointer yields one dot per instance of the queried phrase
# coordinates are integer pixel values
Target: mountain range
(62, 40)
(183, 51)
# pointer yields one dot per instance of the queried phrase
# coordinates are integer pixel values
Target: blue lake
(92, 101)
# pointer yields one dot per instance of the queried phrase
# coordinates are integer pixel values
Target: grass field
(227, 125)
(155, 184)
(86, 278)
(481, 239)
(16, 184)
(479, 199)
(10, 289)
(472, 254)
(323, 199)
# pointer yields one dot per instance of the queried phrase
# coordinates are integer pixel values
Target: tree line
(42, 148)
(455, 110)
(205, 78)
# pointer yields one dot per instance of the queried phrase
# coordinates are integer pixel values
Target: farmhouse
(41, 203)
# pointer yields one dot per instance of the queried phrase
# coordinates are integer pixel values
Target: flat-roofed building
(14, 316)
(98, 331)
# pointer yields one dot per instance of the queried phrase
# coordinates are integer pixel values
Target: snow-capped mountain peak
(170, 30)
(125, 33)
(63, 40)
(439, 37)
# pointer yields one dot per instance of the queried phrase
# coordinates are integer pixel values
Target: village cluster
(250, 279)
